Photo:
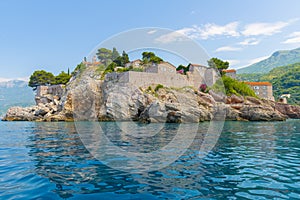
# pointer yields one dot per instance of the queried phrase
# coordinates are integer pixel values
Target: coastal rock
(87, 97)
(261, 113)
(20, 114)
(291, 111)
(233, 99)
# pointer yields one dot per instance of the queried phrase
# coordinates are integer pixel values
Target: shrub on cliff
(79, 68)
(158, 87)
(231, 86)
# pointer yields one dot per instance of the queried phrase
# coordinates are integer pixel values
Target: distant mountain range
(279, 58)
(15, 93)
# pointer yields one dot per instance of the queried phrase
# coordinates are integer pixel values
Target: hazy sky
(54, 35)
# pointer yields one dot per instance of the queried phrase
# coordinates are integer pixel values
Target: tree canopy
(41, 77)
(150, 57)
(105, 55)
(219, 64)
(114, 54)
(62, 78)
(122, 60)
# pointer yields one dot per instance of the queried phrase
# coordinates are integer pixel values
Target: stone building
(262, 89)
(230, 72)
(200, 74)
(134, 64)
(165, 74)
(93, 63)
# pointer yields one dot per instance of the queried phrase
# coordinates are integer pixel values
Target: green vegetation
(122, 60)
(219, 64)
(124, 69)
(285, 80)
(150, 57)
(42, 77)
(105, 55)
(79, 68)
(231, 86)
(62, 78)
(110, 68)
(158, 87)
(150, 90)
(115, 54)
(255, 77)
(225, 84)
(279, 58)
(184, 68)
(136, 69)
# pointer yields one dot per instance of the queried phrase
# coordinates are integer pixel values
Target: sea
(109, 160)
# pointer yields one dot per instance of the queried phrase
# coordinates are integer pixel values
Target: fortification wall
(142, 79)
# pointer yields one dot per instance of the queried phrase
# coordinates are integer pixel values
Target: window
(257, 93)
(256, 87)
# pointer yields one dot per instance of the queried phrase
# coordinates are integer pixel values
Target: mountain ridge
(15, 93)
(277, 59)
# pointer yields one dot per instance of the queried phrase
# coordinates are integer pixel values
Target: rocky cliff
(86, 97)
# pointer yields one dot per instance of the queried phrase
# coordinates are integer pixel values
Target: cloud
(180, 35)
(193, 12)
(228, 48)
(293, 38)
(233, 62)
(204, 32)
(231, 29)
(211, 30)
(152, 32)
(255, 29)
(249, 41)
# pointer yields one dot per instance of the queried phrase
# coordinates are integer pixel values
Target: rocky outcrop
(86, 97)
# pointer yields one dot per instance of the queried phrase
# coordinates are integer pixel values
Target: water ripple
(258, 160)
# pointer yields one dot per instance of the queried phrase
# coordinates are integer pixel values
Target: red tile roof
(196, 65)
(259, 83)
(229, 70)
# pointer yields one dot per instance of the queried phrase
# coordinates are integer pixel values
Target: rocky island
(122, 97)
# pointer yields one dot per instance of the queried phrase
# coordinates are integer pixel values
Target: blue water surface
(251, 160)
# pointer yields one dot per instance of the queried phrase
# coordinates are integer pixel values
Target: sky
(56, 35)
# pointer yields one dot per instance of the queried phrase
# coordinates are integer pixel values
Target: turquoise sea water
(251, 160)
